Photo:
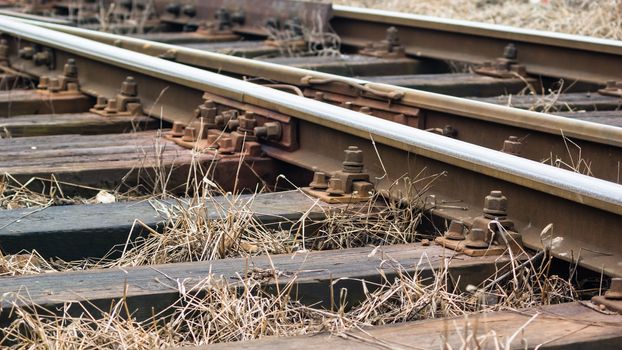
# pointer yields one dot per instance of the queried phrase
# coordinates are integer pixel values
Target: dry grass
(44, 192)
(583, 17)
(214, 310)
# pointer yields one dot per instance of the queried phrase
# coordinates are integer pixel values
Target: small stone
(105, 197)
(425, 242)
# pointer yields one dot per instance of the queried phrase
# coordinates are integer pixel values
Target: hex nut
(495, 205)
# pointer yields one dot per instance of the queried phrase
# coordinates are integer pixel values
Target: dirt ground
(598, 18)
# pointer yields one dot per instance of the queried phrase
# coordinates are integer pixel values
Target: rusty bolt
(353, 162)
(53, 85)
(615, 289)
(126, 4)
(476, 239)
(253, 149)
(273, 22)
(41, 57)
(392, 37)
(129, 87)
(190, 134)
(510, 52)
(495, 205)
(449, 131)
(233, 124)
(111, 106)
(209, 113)
(455, 231)
(26, 52)
(319, 181)
(189, 10)
(512, 145)
(335, 187)
(101, 103)
(270, 130)
(70, 69)
(178, 129)
(247, 122)
(43, 82)
(225, 145)
(362, 188)
(174, 9)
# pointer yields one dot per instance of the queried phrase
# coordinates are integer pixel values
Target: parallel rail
(539, 194)
(545, 53)
(569, 215)
(600, 144)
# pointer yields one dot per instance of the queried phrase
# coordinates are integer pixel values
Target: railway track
(85, 116)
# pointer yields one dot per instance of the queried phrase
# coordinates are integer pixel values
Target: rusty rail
(546, 53)
(578, 205)
(600, 143)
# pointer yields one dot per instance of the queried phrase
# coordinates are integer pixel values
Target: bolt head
(129, 87)
(455, 230)
(335, 187)
(319, 181)
(615, 289)
(111, 106)
(70, 69)
(189, 10)
(353, 162)
(510, 52)
(495, 204)
(476, 239)
(190, 134)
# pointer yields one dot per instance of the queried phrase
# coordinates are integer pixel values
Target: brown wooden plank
(72, 123)
(563, 102)
(456, 84)
(21, 102)
(93, 230)
(314, 272)
(352, 65)
(564, 326)
(104, 160)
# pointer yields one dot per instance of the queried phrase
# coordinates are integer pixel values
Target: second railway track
(95, 116)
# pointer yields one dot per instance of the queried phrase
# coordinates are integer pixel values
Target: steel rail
(547, 123)
(578, 199)
(550, 54)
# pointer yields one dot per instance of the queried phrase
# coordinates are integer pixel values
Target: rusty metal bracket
(612, 88)
(390, 47)
(505, 67)
(351, 184)
(612, 299)
(489, 234)
(65, 84)
(229, 127)
(126, 103)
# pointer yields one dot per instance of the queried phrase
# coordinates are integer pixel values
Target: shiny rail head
(548, 123)
(562, 183)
